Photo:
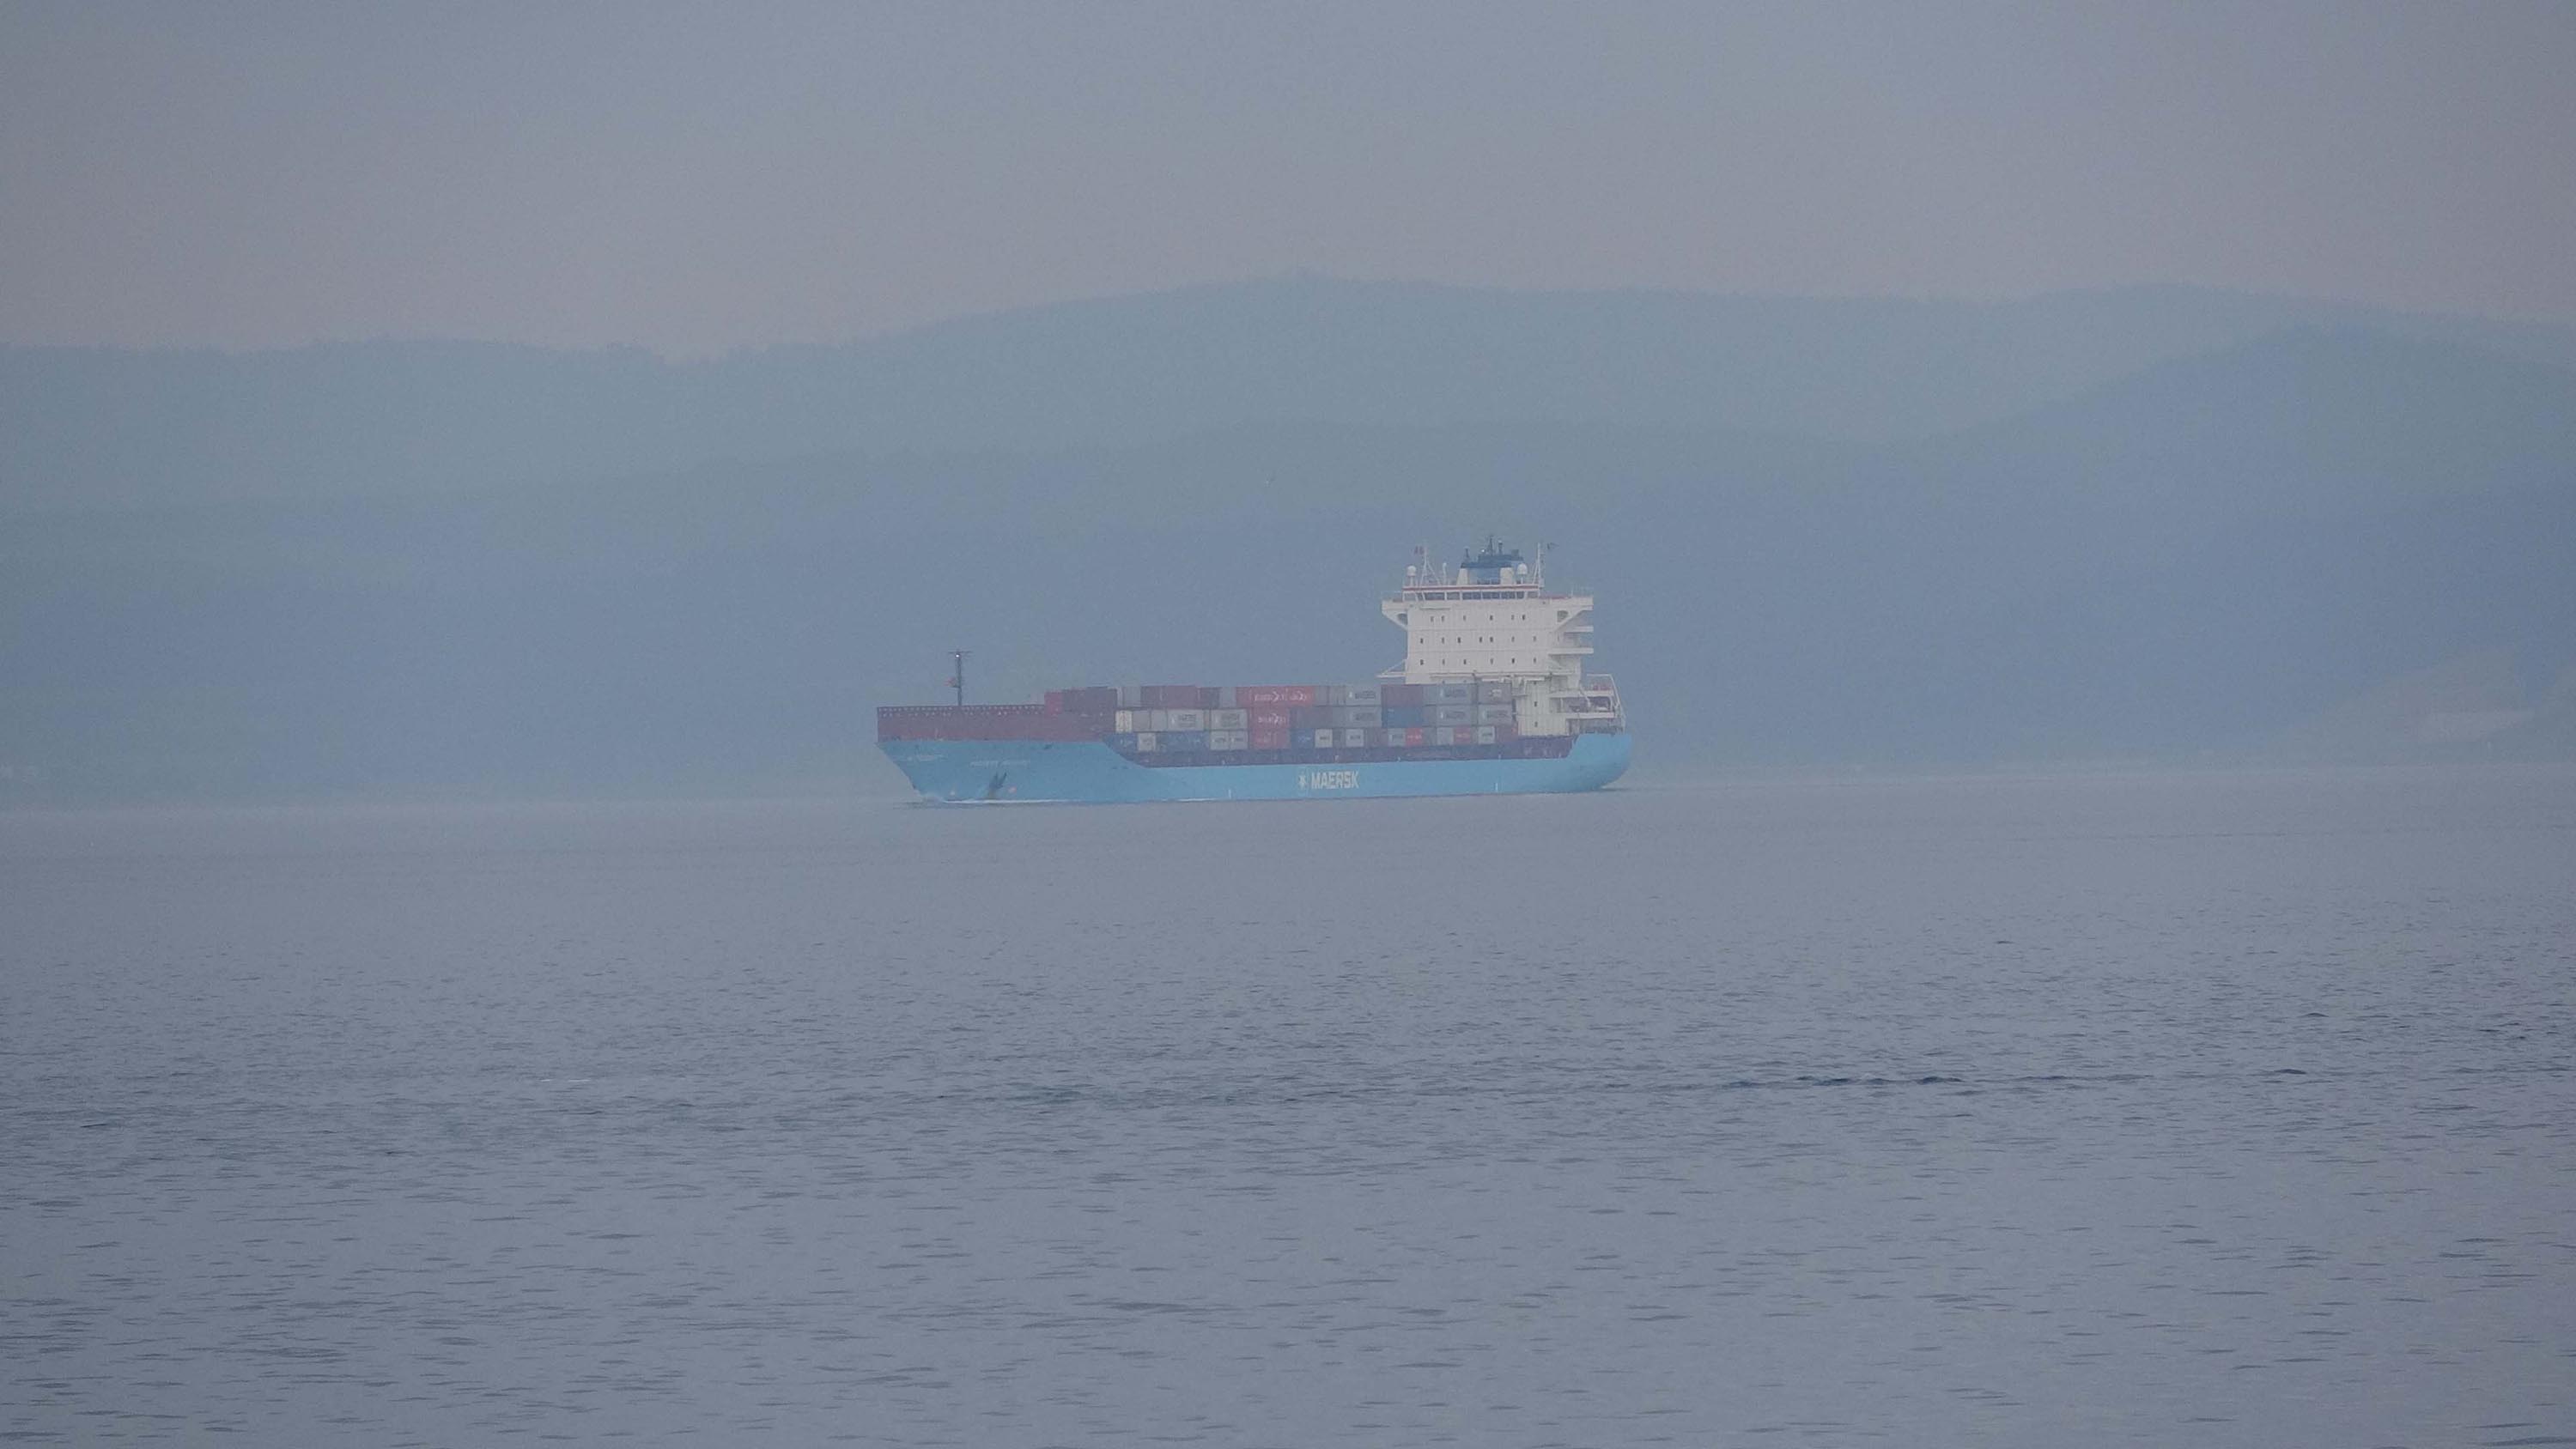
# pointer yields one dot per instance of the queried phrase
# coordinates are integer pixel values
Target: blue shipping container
(1183, 739)
(1405, 716)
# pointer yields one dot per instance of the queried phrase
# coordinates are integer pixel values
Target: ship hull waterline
(1084, 772)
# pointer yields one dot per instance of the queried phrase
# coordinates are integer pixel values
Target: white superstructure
(1492, 619)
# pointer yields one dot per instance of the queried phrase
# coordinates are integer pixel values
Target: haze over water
(2228, 1109)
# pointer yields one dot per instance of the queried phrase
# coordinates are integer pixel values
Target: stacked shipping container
(1165, 719)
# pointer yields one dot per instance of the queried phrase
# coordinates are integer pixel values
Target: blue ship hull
(1090, 773)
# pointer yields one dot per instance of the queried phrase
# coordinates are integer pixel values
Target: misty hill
(2196, 556)
(90, 427)
(2477, 706)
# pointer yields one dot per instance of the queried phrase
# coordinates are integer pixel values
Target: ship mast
(957, 674)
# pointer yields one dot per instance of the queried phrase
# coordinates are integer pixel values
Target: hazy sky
(696, 178)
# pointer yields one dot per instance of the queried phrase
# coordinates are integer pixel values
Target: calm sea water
(2181, 1109)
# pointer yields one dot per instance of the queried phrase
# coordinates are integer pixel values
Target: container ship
(1493, 697)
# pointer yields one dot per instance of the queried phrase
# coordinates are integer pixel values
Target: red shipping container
(1399, 696)
(1270, 737)
(1251, 696)
(1413, 735)
(1271, 716)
